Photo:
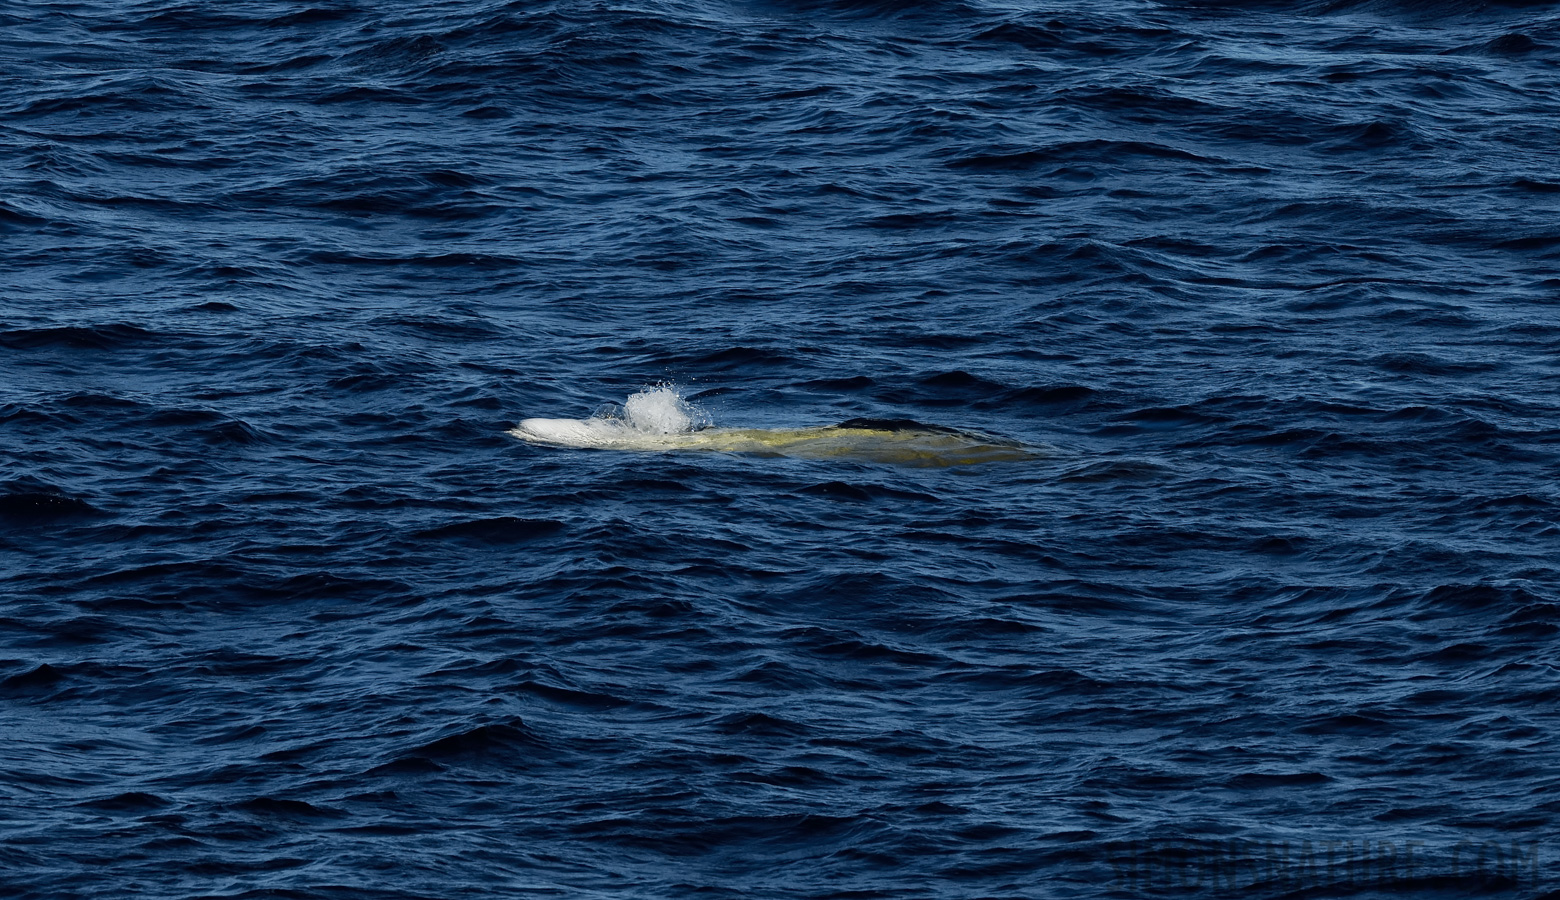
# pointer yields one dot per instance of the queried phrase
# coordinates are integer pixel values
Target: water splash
(662, 410)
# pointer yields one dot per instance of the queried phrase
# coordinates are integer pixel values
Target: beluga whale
(657, 419)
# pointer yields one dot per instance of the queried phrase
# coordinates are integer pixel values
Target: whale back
(893, 441)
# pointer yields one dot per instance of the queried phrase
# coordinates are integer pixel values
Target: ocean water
(1268, 295)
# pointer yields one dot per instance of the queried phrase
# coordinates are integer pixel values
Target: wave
(659, 419)
(1411, 8)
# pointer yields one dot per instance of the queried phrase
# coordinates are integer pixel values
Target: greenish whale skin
(893, 441)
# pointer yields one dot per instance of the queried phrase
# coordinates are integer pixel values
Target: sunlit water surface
(1116, 439)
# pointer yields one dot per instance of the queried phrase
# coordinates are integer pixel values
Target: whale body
(857, 439)
(658, 420)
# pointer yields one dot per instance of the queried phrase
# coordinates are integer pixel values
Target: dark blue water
(1273, 289)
